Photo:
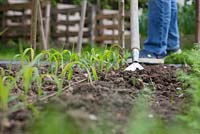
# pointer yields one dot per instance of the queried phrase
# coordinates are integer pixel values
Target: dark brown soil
(111, 98)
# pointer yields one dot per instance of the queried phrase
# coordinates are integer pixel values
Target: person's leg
(173, 43)
(159, 17)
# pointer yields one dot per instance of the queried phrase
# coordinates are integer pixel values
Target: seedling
(6, 84)
(2, 32)
(56, 80)
(69, 68)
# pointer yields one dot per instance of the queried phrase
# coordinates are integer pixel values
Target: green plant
(144, 121)
(106, 60)
(69, 68)
(58, 59)
(29, 73)
(6, 84)
(191, 84)
(25, 56)
(2, 32)
(186, 13)
(53, 121)
(56, 80)
(39, 85)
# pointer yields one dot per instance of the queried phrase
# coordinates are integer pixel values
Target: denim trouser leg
(159, 16)
(173, 35)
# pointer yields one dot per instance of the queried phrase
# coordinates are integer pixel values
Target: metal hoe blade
(134, 66)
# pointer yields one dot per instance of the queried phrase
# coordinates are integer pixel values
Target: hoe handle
(135, 37)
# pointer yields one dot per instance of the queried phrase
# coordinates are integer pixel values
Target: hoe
(135, 41)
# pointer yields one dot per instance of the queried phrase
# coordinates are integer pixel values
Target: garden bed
(107, 102)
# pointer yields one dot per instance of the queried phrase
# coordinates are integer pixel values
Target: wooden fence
(15, 19)
(65, 20)
(107, 28)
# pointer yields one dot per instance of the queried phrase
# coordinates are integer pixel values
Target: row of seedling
(60, 69)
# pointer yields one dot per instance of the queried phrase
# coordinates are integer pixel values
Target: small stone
(181, 95)
(151, 116)
(113, 73)
(93, 117)
(6, 123)
(48, 78)
(178, 88)
(86, 75)
(70, 89)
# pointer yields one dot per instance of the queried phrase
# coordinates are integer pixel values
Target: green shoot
(94, 72)
(56, 80)
(2, 32)
(39, 86)
(69, 68)
(6, 84)
(28, 74)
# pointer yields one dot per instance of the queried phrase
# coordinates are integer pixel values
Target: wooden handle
(135, 36)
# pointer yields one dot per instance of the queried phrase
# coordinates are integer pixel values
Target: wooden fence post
(122, 25)
(34, 23)
(3, 25)
(98, 6)
(47, 21)
(92, 25)
(67, 29)
(41, 27)
(82, 23)
(197, 35)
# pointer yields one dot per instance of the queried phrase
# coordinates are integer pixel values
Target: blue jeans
(163, 31)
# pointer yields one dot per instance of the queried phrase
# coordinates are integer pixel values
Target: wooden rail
(20, 6)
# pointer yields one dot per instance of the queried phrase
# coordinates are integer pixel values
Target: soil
(111, 98)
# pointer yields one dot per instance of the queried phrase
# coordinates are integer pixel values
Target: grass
(191, 82)
(10, 49)
(58, 123)
(144, 121)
